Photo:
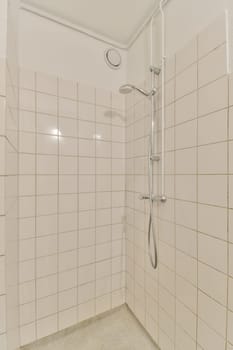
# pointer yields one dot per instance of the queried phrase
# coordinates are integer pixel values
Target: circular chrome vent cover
(113, 58)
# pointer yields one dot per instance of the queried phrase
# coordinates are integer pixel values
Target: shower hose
(151, 236)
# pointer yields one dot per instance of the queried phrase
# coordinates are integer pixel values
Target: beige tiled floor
(116, 331)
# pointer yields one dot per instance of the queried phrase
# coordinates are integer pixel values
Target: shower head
(128, 88)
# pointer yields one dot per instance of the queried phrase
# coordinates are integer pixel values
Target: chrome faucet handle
(155, 157)
(163, 198)
(143, 196)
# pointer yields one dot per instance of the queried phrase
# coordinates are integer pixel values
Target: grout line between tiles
(175, 231)
(228, 226)
(78, 204)
(58, 200)
(35, 199)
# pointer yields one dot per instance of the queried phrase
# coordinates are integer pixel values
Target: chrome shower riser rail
(152, 251)
(152, 157)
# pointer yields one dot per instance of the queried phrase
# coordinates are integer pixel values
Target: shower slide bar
(152, 157)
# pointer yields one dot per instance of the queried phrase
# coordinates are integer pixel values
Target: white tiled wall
(9, 327)
(72, 177)
(72, 199)
(187, 302)
(8, 211)
(3, 337)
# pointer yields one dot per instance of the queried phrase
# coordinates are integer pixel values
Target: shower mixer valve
(154, 198)
(155, 157)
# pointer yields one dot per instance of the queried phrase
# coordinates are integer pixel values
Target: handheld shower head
(128, 88)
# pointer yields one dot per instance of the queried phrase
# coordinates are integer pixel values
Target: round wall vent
(113, 58)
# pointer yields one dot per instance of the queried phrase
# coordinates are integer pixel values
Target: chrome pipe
(163, 63)
(128, 88)
(152, 156)
(151, 235)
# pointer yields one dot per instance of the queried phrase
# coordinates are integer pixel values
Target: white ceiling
(117, 20)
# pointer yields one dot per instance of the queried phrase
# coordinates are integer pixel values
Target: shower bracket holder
(155, 70)
(155, 158)
(153, 92)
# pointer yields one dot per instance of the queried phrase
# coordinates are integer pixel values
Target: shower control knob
(143, 196)
(163, 198)
(154, 198)
(155, 157)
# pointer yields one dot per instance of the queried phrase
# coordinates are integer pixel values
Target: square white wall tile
(213, 283)
(217, 123)
(186, 240)
(213, 97)
(186, 82)
(212, 36)
(213, 252)
(186, 108)
(67, 89)
(27, 79)
(28, 334)
(46, 84)
(212, 66)
(186, 56)
(230, 326)
(47, 326)
(212, 221)
(212, 313)
(67, 108)
(212, 189)
(27, 100)
(208, 338)
(186, 267)
(213, 158)
(67, 318)
(46, 103)
(230, 294)
(86, 93)
(186, 135)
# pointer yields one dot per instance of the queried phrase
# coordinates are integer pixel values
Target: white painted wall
(184, 19)
(49, 47)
